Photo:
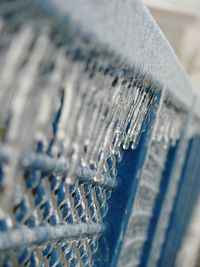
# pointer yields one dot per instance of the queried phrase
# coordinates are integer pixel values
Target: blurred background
(179, 20)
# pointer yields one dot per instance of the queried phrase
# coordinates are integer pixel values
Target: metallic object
(86, 136)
